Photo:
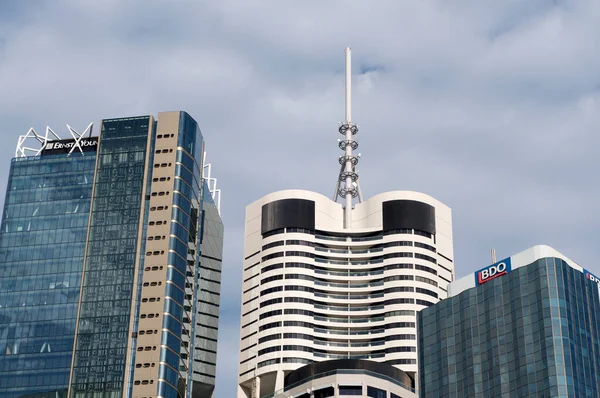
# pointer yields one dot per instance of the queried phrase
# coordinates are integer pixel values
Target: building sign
(591, 276)
(492, 271)
(83, 144)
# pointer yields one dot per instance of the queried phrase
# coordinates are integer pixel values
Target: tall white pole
(348, 210)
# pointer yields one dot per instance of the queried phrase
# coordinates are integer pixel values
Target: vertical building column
(279, 378)
(256, 390)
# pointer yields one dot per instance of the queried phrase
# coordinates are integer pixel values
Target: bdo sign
(591, 276)
(492, 271)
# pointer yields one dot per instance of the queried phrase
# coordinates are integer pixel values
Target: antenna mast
(348, 161)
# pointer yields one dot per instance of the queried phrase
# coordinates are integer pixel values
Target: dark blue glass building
(101, 267)
(528, 327)
(42, 245)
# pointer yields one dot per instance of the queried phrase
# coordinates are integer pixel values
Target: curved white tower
(325, 281)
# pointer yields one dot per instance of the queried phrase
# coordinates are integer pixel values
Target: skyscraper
(342, 283)
(527, 326)
(104, 291)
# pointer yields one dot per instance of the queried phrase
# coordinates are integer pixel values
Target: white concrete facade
(332, 293)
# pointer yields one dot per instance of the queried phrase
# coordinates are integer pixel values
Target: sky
(492, 107)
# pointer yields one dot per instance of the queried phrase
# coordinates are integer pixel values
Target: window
(270, 314)
(271, 279)
(293, 347)
(401, 349)
(274, 232)
(274, 255)
(271, 290)
(269, 362)
(273, 244)
(376, 392)
(425, 246)
(395, 255)
(424, 302)
(299, 276)
(324, 392)
(426, 269)
(271, 267)
(299, 324)
(427, 292)
(269, 338)
(402, 362)
(300, 243)
(298, 300)
(423, 233)
(299, 288)
(268, 350)
(269, 326)
(295, 311)
(299, 254)
(401, 337)
(426, 258)
(350, 390)
(426, 280)
(298, 265)
(297, 336)
(270, 302)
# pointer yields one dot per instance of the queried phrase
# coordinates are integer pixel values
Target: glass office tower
(101, 268)
(42, 246)
(528, 327)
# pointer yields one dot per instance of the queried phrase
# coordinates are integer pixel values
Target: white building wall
(346, 288)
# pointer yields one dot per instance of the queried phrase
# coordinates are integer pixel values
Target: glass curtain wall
(532, 333)
(102, 336)
(42, 244)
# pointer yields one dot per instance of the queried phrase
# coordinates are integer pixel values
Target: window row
(315, 351)
(325, 282)
(340, 343)
(342, 238)
(341, 319)
(364, 272)
(372, 260)
(348, 250)
(371, 307)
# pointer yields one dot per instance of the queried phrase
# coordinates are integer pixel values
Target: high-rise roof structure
(526, 326)
(326, 281)
(110, 262)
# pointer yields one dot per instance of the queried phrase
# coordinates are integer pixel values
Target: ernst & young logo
(81, 144)
(492, 271)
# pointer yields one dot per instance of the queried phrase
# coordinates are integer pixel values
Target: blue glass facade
(104, 316)
(534, 332)
(42, 244)
(100, 265)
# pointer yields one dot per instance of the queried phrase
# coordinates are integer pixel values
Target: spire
(348, 176)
